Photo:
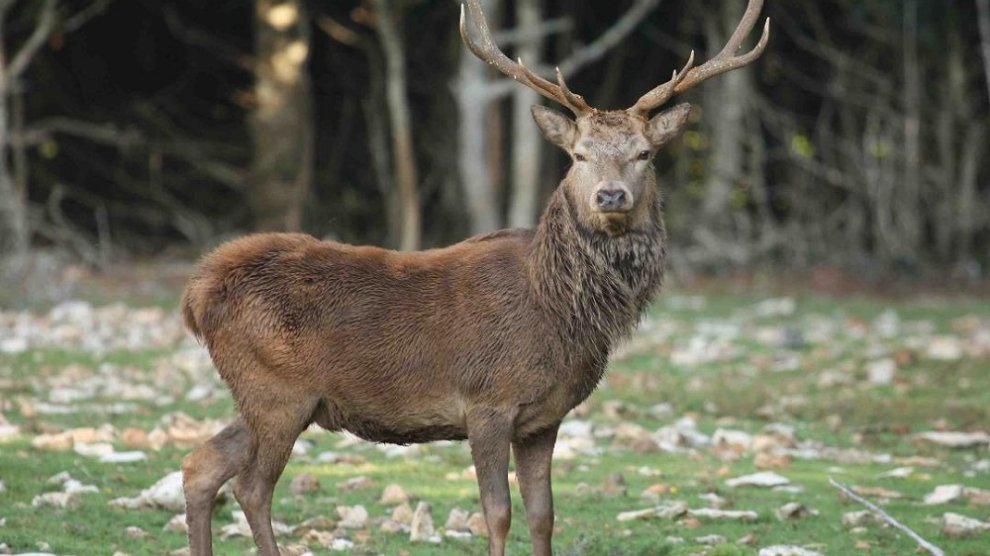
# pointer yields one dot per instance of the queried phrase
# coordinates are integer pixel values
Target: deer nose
(612, 197)
(611, 200)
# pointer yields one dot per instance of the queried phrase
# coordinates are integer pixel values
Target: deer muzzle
(612, 196)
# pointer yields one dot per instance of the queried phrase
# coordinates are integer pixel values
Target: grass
(742, 390)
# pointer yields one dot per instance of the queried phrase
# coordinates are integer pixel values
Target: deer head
(611, 183)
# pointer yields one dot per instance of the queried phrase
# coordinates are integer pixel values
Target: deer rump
(391, 346)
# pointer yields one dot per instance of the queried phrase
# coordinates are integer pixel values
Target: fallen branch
(931, 548)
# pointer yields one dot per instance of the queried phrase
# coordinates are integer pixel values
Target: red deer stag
(492, 340)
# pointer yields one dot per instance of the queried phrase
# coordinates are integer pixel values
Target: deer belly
(398, 426)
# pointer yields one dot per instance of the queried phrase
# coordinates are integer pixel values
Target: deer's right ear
(556, 127)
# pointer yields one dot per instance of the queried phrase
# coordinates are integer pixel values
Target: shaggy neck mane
(596, 284)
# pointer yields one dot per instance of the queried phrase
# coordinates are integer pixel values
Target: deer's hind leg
(204, 471)
(275, 419)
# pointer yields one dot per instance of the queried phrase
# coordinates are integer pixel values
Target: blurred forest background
(146, 128)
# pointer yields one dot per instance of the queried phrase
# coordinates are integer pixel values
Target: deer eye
(644, 155)
(580, 157)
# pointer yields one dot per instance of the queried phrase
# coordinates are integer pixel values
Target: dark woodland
(147, 128)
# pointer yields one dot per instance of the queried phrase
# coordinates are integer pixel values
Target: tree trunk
(471, 90)
(403, 154)
(527, 146)
(725, 119)
(282, 122)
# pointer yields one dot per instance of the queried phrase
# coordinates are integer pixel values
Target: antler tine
(573, 99)
(486, 49)
(662, 93)
(724, 61)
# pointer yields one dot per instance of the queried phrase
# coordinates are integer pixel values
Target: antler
(486, 49)
(726, 60)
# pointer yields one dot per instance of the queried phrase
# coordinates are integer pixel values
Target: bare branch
(42, 30)
(594, 51)
(83, 16)
(931, 548)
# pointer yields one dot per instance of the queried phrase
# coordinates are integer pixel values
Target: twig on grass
(934, 550)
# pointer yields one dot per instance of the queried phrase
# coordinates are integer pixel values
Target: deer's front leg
(533, 457)
(489, 433)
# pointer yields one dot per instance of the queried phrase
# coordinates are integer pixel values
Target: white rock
(394, 495)
(859, 518)
(783, 550)
(766, 479)
(341, 545)
(732, 515)
(738, 440)
(177, 524)
(710, 540)
(166, 493)
(457, 520)
(957, 524)
(945, 348)
(669, 510)
(54, 499)
(881, 372)
(352, 517)
(576, 428)
(953, 439)
(124, 457)
(943, 494)
(422, 529)
(899, 473)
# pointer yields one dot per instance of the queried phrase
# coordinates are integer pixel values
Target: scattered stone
(95, 450)
(55, 500)
(318, 537)
(392, 527)
(123, 457)
(457, 520)
(881, 372)
(394, 495)
(943, 494)
(614, 485)
(341, 545)
(352, 517)
(956, 525)
(304, 483)
(177, 524)
(710, 540)
(898, 473)
(714, 500)
(313, 523)
(422, 529)
(731, 515)
(135, 532)
(768, 460)
(766, 479)
(356, 483)
(477, 525)
(955, 439)
(670, 510)
(403, 514)
(859, 518)
(166, 494)
(945, 348)
(576, 428)
(794, 510)
(783, 550)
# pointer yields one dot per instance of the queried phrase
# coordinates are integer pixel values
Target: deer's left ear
(667, 125)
